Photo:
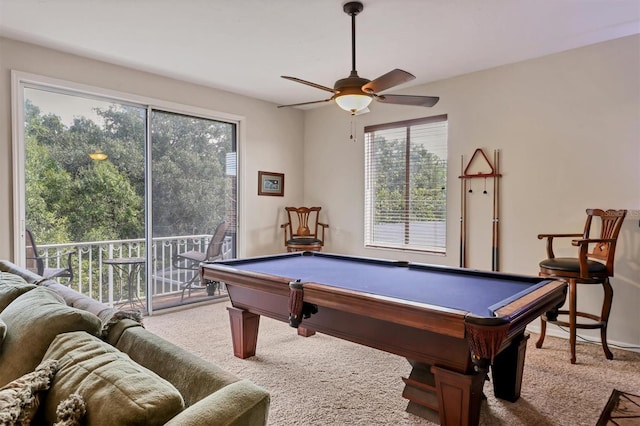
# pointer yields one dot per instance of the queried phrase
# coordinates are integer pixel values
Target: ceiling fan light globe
(353, 103)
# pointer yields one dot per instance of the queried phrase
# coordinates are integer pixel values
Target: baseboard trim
(562, 333)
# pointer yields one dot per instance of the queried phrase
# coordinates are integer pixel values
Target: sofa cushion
(116, 390)
(33, 321)
(11, 287)
(19, 399)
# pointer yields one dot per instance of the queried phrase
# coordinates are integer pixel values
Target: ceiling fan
(354, 93)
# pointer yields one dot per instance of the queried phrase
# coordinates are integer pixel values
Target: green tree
(45, 185)
(188, 157)
(427, 181)
(104, 205)
(71, 196)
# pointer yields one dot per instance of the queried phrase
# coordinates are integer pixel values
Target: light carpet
(321, 380)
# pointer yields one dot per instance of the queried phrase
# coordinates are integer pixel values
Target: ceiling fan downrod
(352, 8)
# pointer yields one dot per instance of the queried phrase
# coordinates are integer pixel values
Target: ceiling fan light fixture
(354, 93)
(353, 103)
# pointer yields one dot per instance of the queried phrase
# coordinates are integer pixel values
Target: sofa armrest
(30, 277)
(194, 377)
(71, 297)
(237, 404)
(76, 300)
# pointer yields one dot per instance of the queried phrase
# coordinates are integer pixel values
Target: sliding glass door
(193, 187)
(127, 188)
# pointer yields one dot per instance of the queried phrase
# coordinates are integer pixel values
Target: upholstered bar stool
(589, 267)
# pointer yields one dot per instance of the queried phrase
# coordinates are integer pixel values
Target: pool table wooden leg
(459, 396)
(507, 369)
(244, 332)
(442, 395)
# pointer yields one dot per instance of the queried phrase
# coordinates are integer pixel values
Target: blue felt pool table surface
(479, 293)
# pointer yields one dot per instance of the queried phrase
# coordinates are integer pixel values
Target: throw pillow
(70, 411)
(19, 400)
(11, 287)
(33, 320)
(116, 390)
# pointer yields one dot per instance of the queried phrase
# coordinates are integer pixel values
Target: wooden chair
(584, 270)
(305, 237)
(40, 264)
(191, 260)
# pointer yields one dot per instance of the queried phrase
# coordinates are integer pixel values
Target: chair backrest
(34, 261)
(214, 250)
(611, 222)
(303, 217)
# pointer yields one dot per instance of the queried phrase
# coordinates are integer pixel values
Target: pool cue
(463, 213)
(495, 261)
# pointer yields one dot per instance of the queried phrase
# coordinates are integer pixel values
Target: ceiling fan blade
(305, 103)
(387, 81)
(308, 83)
(425, 101)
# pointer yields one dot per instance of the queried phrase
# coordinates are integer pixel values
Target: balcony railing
(100, 281)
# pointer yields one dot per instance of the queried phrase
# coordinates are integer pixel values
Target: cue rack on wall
(492, 173)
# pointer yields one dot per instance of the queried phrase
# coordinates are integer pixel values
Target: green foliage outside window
(72, 198)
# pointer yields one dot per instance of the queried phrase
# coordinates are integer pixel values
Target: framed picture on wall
(270, 183)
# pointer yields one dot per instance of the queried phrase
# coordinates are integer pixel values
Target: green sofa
(131, 368)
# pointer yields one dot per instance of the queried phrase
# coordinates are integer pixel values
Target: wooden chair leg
(543, 332)
(573, 303)
(604, 318)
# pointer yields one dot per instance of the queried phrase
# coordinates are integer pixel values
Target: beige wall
(568, 130)
(271, 138)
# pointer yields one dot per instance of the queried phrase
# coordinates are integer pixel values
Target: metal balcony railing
(100, 281)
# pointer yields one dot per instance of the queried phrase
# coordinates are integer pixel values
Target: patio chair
(191, 260)
(40, 264)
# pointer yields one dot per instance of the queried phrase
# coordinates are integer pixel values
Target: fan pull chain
(353, 130)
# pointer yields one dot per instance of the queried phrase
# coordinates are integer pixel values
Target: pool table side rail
(419, 315)
(516, 308)
(252, 259)
(359, 259)
(414, 314)
(484, 333)
(227, 274)
(532, 279)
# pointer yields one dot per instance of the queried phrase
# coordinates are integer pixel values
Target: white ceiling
(244, 46)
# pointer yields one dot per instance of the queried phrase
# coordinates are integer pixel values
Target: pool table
(451, 324)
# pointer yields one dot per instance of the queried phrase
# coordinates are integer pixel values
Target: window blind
(405, 184)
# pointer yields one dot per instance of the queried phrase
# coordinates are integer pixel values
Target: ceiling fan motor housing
(351, 85)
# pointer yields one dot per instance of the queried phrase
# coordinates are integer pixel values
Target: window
(405, 184)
